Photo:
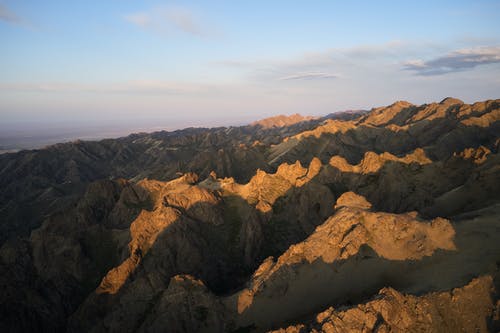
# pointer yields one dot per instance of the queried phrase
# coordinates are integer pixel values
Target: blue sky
(230, 61)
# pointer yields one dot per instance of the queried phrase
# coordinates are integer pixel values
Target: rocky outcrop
(384, 115)
(351, 243)
(353, 200)
(346, 260)
(178, 197)
(478, 155)
(467, 309)
(186, 219)
(291, 203)
(372, 162)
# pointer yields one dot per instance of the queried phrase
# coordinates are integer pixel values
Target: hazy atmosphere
(139, 65)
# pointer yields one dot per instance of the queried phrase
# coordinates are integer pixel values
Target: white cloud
(354, 62)
(168, 19)
(456, 61)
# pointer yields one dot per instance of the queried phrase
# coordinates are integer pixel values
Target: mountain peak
(403, 104)
(384, 115)
(451, 101)
(281, 120)
(353, 200)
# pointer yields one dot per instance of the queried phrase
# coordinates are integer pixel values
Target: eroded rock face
(165, 240)
(335, 258)
(186, 219)
(384, 115)
(347, 259)
(478, 155)
(467, 309)
(353, 200)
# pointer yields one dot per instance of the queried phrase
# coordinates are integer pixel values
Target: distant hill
(281, 121)
(345, 115)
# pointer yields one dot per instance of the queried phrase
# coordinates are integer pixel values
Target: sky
(181, 63)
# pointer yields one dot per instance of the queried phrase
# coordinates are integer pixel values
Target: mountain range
(384, 220)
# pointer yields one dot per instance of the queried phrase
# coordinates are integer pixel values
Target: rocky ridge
(281, 121)
(462, 309)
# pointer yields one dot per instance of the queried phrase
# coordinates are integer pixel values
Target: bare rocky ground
(380, 221)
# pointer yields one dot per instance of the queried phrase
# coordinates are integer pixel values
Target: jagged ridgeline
(381, 220)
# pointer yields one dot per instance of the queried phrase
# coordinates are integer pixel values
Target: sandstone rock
(467, 309)
(351, 243)
(383, 115)
(351, 199)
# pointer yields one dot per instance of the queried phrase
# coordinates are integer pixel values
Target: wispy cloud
(325, 64)
(8, 16)
(309, 76)
(168, 19)
(431, 58)
(456, 61)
